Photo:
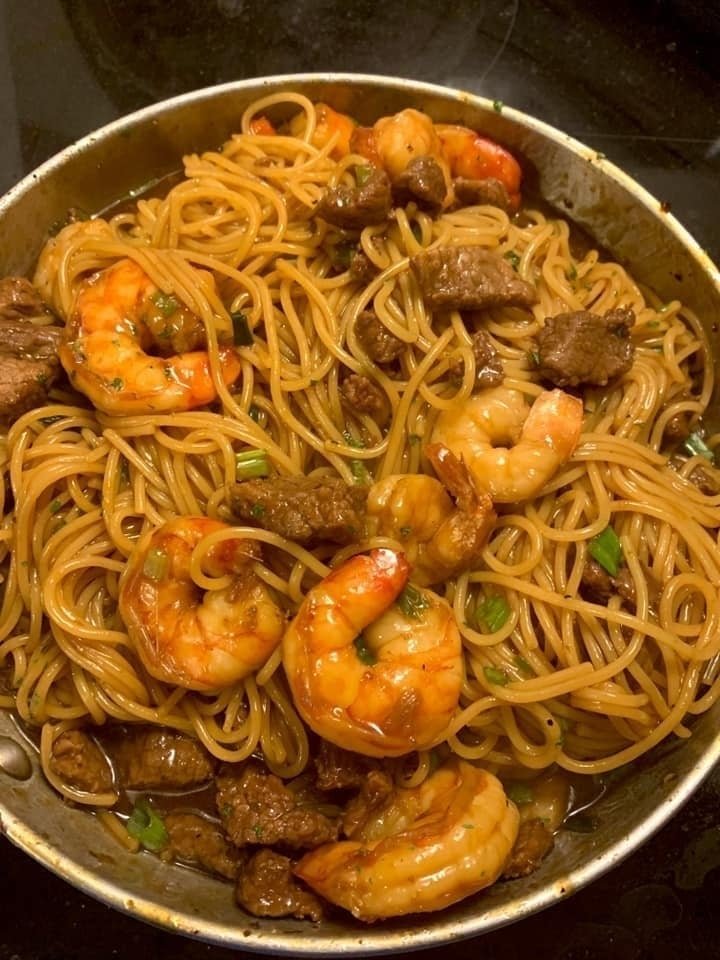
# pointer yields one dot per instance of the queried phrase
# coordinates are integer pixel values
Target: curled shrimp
(475, 157)
(424, 849)
(368, 674)
(439, 537)
(541, 438)
(191, 640)
(328, 122)
(403, 137)
(118, 315)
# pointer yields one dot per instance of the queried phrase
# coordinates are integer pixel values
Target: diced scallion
(156, 564)
(166, 303)
(359, 471)
(492, 613)
(250, 464)
(498, 677)
(147, 827)
(519, 793)
(362, 175)
(412, 602)
(607, 550)
(695, 446)
(242, 334)
(365, 654)
(512, 258)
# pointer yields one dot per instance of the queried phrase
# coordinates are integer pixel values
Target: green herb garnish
(257, 510)
(352, 441)
(696, 447)
(412, 602)
(571, 274)
(493, 675)
(523, 666)
(156, 564)
(365, 654)
(55, 506)
(250, 464)
(360, 472)
(519, 793)
(146, 826)
(116, 384)
(414, 438)
(512, 258)
(242, 334)
(492, 613)
(607, 550)
(48, 421)
(166, 303)
(362, 175)
(498, 106)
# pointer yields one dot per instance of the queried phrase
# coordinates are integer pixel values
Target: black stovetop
(639, 81)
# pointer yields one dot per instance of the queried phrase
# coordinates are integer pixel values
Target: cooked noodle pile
(563, 680)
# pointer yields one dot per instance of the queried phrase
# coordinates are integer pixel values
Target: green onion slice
(360, 472)
(146, 826)
(362, 175)
(413, 602)
(695, 446)
(242, 334)
(365, 654)
(166, 303)
(156, 564)
(493, 675)
(607, 550)
(250, 464)
(519, 793)
(492, 613)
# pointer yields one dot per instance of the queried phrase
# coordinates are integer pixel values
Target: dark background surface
(638, 81)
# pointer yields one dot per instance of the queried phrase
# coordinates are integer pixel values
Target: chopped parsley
(116, 384)
(166, 303)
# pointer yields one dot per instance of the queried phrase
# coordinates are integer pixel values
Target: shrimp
(440, 538)
(426, 848)
(476, 157)
(370, 675)
(119, 314)
(200, 644)
(543, 437)
(327, 123)
(404, 136)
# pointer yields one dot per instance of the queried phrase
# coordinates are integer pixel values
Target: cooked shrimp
(404, 136)
(117, 316)
(426, 848)
(475, 157)
(368, 674)
(327, 123)
(187, 639)
(542, 438)
(439, 537)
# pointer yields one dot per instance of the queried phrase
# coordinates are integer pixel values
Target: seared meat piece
(375, 338)
(583, 347)
(364, 396)
(534, 841)
(677, 428)
(267, 888)
(471, 193)
(375, 790)
(256, 807)
(422, 181)
(352, 208)
(78, 761)
(598, 586)
(706, 479)
(304, 509)
(198, 841)
(362, 268)
(339, 769)
(29, 363)
(469, 278)
(152, 758)
(489, 370)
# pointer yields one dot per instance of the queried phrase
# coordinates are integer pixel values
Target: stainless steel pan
(120, 159)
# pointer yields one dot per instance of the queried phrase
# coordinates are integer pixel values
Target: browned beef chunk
(583, 347)
(78, 761)
(422, 181)
(256, 807)
(534, 841)
(375, 338)
(304, 509)
(339, 769)
(362, 269)
(364, 396)
(598, 586)
(469, 278)
(156, 758)
(489, 370)
(706, 479)
(29, 363)
(352, 208)
(267, 888)
(375, 790)
(472, 193)
(677, 428)
(194, 839)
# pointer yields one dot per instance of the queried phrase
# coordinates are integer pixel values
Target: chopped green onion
(360, 472)
(524, 667)
(362, 175)
(512, 258)
(352, 441)
(414, 438)
(498, 106)
(251, 463)
(55, 506)
(147, 826)
(519, 793)
(696, 447)
(257, 510)
(255, 413)
(341, 255)
(581, 823)
(533, 358)
(365, 654)
(166, 303)
(242, 334)
(412, 602)
(571, 274)
(607, 550)
(116, 384)
(492, 613)
(156, 564)
(493, 675)
(49, 421)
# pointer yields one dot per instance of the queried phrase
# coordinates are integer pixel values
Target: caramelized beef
(352, 208)
(267, 888)
(19, 300)
(375, 338)
(706, 479)
(598, 586)
(157, 758)
(677, 429)
(79, 762)
(473, 193)
(584, 347)
(362, 269)
(306, 510)
(339, 769)
(534, 841)
(256, 807)
(195, 840)
(469, 278)
(363, 395)
(421, 181)
(489, 370)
